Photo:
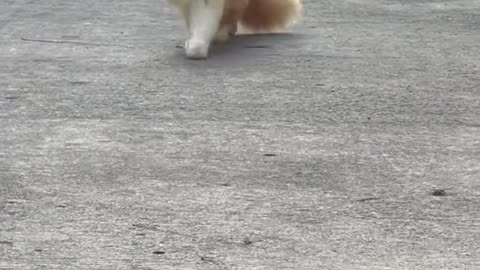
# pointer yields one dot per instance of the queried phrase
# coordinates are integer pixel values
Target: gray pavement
(351, 143)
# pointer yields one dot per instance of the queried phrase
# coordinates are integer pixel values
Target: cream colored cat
(209, 20)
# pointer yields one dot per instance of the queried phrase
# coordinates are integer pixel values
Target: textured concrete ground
(351, 143)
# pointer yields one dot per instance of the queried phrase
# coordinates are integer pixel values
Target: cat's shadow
(248, 47)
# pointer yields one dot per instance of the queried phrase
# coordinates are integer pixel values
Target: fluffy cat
(217, 20)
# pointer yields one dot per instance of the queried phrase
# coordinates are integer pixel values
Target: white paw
(196, 49)
(222, 35)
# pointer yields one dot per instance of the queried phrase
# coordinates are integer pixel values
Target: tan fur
(232, 14)
(259, 15)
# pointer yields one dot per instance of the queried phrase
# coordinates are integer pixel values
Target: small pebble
(439, 192)
(247, 241)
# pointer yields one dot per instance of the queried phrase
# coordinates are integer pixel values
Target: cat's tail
(270, 15)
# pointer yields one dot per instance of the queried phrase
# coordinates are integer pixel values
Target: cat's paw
(222, 35)
(196, 49)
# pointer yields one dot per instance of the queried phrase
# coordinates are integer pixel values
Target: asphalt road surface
(352, 142)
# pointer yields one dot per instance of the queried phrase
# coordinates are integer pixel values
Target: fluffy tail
(270, 15)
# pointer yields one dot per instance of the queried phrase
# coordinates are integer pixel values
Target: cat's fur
(209, 20)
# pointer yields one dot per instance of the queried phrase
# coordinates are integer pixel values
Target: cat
(216, 20)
